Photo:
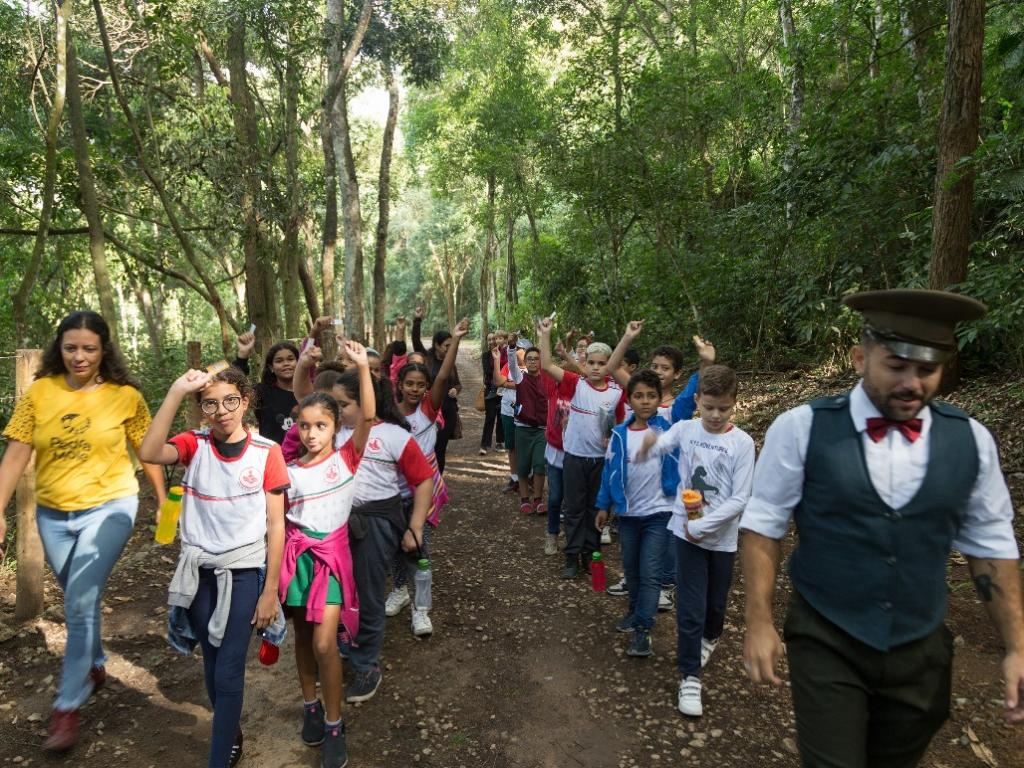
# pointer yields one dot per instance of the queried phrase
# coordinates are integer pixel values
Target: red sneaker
(98, 675)
(539, 507)
(63, 732)
(526, 508)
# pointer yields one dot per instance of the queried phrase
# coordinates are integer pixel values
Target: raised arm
(440, 386)
(367, 400)
(154, 448)
(417, 325)
(566, 360)
(400, 328)
(544, 332)
(705, 351)
(633, 329)
(302, 382)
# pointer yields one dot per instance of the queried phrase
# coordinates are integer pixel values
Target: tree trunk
(24, 292)
(259, 295)
(511, 276)
(794, 117)
(87, 192)
(958, 138)
(306, 267)
(917, 54)
(874, 65)
(490, 256)
(384, 210)
(339, 62)
(157, 183)
(290, 256)
(352, 220)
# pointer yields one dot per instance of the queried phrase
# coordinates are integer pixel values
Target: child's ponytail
(387, 406)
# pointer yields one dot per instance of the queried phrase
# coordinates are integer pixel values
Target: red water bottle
(597, 579)
(268, 653)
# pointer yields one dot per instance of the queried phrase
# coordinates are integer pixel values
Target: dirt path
(523, 670)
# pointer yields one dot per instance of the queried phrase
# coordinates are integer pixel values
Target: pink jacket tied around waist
(331, 557)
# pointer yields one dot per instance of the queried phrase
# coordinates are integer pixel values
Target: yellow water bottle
(169, 512)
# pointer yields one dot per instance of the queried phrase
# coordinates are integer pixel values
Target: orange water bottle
(169, 512)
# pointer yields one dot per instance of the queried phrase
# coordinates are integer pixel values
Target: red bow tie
(879, 426)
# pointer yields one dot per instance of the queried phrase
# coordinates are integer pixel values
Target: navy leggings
(224, 667)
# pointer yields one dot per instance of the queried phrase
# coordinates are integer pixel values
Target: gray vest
(876, 572)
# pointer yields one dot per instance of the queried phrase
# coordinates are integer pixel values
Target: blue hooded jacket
(613, 475)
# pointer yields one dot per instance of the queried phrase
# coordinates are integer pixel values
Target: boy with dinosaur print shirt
(716, 459)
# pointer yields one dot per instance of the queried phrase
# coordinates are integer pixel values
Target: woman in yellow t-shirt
(79, 416)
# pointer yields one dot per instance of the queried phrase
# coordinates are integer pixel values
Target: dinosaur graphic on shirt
(698, 482)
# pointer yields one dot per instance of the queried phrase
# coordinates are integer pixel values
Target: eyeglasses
(230, 403)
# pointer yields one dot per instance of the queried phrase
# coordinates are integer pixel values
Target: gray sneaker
(335, 753)
(364, 686)
(641, 643)
(626, 624)
(313, 724)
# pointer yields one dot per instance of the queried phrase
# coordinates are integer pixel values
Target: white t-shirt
(721, 467)
(592, 414)
(423, 422)
(643, 480)
(391, 462)
(508, 396)
(320, 495)
(553, 456)
(225, 502)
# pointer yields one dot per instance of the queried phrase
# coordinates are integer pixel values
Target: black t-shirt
(230, 450)
(273, 407)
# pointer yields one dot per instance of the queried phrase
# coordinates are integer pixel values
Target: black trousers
(581, 480)
(450, 411)
(858, 707)
(491, 420)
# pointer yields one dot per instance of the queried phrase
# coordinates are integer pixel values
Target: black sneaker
(626, 624)
(619, 588)
(236, 751)
(571, 568)
(585, 560)
(641, 643)
(364, 686)
(313, 724)
(335, 753)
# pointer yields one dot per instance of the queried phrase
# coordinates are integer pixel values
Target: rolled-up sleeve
(986, 529)
(779, 474)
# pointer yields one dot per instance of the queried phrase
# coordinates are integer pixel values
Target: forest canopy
(189, 167)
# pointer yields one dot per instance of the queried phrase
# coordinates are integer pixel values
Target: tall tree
(384, 207)
(21, 296)
(88, 201)
(958, 138)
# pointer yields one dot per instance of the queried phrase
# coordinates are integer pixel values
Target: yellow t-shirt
(81, 441)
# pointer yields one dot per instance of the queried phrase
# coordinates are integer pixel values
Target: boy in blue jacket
(642, 495)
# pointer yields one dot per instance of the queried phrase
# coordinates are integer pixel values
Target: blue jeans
(224, 666)
(668, 566)
(554, 498)
(643, 541)
(81, 548)
(703, 578)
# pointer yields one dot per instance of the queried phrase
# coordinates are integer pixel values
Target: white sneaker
(689, 697)
(707, 647)
(606, 535)
(397, 600)
(550, 543)
(666, 599)
(619, 588)
(421, 623)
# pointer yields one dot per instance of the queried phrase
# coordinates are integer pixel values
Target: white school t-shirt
(643, 480)
(721, 467)
(508, 397)
(225, 501)
(592, 414)
(320, 496)
(392, 462)
(423, 424)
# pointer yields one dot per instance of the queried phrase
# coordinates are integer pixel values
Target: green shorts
(530, 444)
(508, 426)
(298, 587)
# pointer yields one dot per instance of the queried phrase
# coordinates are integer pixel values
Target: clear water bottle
(422, 582)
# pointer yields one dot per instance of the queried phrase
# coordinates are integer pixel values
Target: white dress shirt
(897, 468)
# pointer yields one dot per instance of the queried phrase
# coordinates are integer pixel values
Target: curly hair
(268, 377)
(236, 378)
(646, 377)
(673, 354)
(112, 365)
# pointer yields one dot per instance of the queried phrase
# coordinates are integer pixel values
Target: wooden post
(28, 601)
(195, 360)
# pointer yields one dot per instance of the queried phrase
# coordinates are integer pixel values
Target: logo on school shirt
(250, 479)
(332, 474)
(374, 445)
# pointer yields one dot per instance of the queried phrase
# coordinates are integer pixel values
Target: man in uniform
(882, 483)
